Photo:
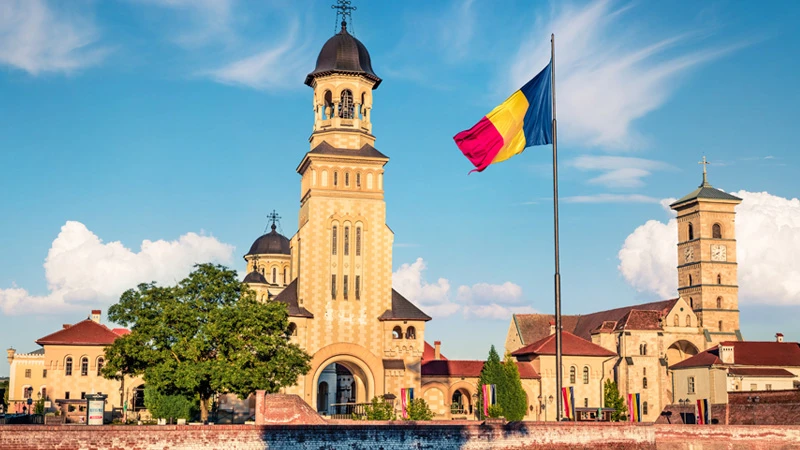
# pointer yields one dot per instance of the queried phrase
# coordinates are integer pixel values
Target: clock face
(718, 252)
(688, 253)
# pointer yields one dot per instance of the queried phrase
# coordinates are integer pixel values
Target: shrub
(418, 410)
(380, 409)
(169, 406)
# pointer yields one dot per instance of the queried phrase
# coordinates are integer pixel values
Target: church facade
(647, 339)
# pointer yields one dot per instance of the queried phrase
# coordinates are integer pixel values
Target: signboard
(95, 407)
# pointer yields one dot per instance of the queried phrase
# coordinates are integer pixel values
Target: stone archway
(679, 351)
(362, 384)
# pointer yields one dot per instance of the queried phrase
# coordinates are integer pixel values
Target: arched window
(572, 374)
(285, 276)
(358, 241)
(292, 330)
(691, 302)
(688, 320)
(27, 392)
(358, 287)
(644, 383)
(716, 231)
(691, 232)
(100, 363)
(68, 366)
(585, 375)
(358, 180)
(644, 408)
(333, 286)
(346, 241)
(335, 178)
(363, 104)
(411, 333)
(719, 302)
(44, 392)
(690, 280)
(675, 321)
(644, 371)
(719, 324)
(643, 349)
(345, 287)
(346, 107)
(274, 275)
(397, 333)
(690, 383)
(328, 105)
(719, 278)
(84, 366)
(334, 234)
(347, 178)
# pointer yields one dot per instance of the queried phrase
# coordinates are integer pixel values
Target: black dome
(344, 54)
(254, 277)
(272, 243)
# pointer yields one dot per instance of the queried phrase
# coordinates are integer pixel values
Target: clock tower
(707, 268)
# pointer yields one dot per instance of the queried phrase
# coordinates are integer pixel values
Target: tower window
(719, 278)
(274, 275)
(346, 241)
(719, 302)
(344, 287)
(358, 287)
(642, 349)
(328, 105)
(644, 371)
(690, 280)
(335, 178)
(688, 320)
(691, 302)
(358, 241)
(719, 324)
(333, 239)
(644, 383)
(716, 231)
(292, 330)
(347, 179)
(411, 333)
(285, 280)
(346, 107)
(333, 286)
(691, 232)
(397, 333)
(585, 375)
(358, 180)
(572, 375)
(644, 408)
(68, 366)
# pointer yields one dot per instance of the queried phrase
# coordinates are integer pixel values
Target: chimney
(96, 315)
(11, 352)
(778, 337)
(552, 327)
(726, 352)
(65, 326)
(437, 350)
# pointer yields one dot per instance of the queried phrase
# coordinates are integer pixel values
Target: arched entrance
(461, 403)
(341, 384)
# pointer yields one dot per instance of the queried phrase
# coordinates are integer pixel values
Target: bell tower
(707, 267)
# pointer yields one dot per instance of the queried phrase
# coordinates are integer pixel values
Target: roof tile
(571, 345)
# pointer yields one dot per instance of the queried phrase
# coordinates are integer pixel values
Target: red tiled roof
(767, 353)
(468, 368)
(640, 320)
(533, 327)
(120, 331)
(760, 372)
(571, 345)
(429, 352)
(86, 332)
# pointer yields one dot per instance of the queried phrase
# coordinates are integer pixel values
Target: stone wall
(389, 436)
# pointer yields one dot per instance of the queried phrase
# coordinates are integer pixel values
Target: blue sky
(140, 136)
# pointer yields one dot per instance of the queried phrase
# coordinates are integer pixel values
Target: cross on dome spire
(705, 175)
(344, 9)
(274, 217)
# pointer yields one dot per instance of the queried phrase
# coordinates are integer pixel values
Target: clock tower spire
(707, 267)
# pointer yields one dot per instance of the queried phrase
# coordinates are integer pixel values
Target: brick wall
(389, 436)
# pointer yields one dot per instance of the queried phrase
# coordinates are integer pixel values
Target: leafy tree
(38, 407)
(492, 373)
(379, 409)
(166, 406)
(496, 410)
(206, 335)
(512, 396)
(418, 410)
(613, 399)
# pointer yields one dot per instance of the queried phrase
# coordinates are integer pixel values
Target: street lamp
(684, 403)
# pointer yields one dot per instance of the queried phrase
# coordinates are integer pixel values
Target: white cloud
(768, 252)
(607, 74)
(276, 67)
(38, 38)
(205, 20)
(618, 171)
(483, 300)
(610, 198)
(82, 270)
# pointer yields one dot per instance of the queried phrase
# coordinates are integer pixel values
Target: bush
(418, 410)
(169, 406)
(380, 409)
(495, 411)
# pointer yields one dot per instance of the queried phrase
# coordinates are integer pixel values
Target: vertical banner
(569, 407)
(403, 403)
(631, 412)
(572, 403)
(494, 394)
(486, 400)
(702, 412)
(638, 408)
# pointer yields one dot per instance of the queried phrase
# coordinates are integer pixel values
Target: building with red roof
(67, 367)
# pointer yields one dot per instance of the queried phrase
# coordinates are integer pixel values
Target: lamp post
(684, 403)
(541, 407)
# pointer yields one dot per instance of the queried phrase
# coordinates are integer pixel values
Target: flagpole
(557, 277)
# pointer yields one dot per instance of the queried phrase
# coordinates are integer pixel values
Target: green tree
(512, 396)
(613, 399)
(492, 373)
(418, 410)
(206, 335)
(38, 406)
(379, 409)
(166, 406)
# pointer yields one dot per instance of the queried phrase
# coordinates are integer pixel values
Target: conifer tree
(492, 373)
(612, 399)
(512, 396)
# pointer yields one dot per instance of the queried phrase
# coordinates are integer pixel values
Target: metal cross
(274, 217)
(704, 163)
(344, 9)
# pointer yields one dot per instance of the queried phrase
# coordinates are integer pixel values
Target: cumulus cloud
(81, 270)
(482, 300)
(608, 75)
(768, 252)
(37, 37)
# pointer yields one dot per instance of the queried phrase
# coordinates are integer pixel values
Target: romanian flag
(489, 392)
(634, 408)
(406, 395)
(525, 119)
(568, 394)
(702, 411)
